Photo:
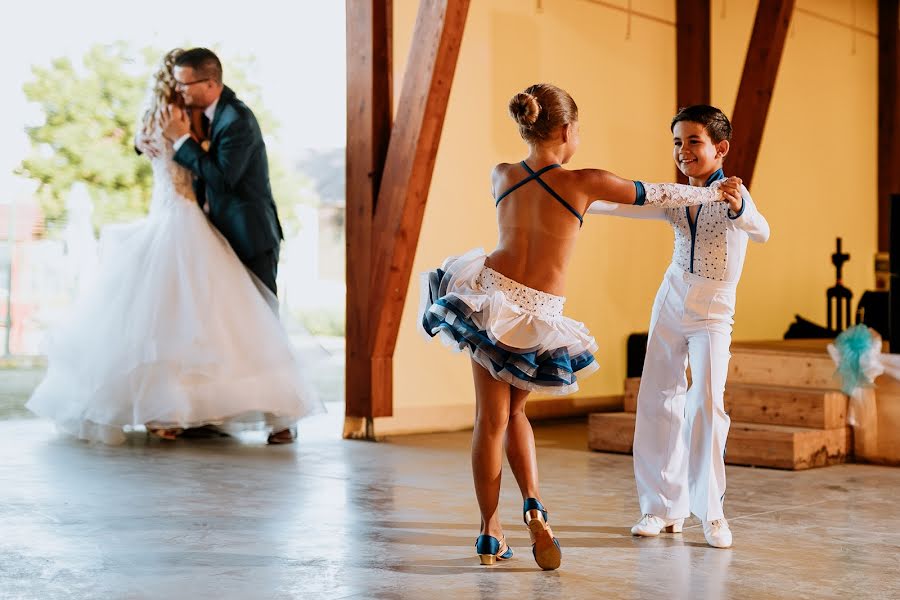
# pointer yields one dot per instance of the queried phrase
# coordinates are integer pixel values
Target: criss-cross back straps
(536, 175)
(532, 175)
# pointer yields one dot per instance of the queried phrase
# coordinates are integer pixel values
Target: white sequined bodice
(172, 183)
(704, 251)
(533, 301)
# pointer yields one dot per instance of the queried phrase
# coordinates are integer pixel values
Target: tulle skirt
(517, 333)
(173, 332)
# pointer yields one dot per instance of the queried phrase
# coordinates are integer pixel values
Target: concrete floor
(332, 519)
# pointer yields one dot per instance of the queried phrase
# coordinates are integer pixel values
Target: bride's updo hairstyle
(540, 109)
(162, 91)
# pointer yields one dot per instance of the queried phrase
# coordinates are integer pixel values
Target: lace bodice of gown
(171, 182)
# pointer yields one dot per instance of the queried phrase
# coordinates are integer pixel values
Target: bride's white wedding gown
(174, 332)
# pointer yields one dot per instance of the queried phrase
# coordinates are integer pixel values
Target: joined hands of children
(730, 193)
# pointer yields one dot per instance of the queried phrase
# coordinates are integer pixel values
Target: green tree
(90, 115)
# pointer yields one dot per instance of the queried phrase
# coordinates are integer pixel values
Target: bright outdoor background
(75, 78)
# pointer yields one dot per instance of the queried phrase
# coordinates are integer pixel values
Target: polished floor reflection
(333, 519)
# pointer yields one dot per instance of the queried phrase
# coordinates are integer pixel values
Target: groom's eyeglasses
(186, 84)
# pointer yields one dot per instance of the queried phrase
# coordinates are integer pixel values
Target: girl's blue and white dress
(519, 334)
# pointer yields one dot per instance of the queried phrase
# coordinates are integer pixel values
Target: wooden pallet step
(781, 447)
(611, 432)
(792, 407)
(779, 364)
(776, 405)
(751, 444)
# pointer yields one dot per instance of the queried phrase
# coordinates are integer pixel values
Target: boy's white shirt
(721, 243)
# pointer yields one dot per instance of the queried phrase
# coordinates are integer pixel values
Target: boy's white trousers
(680, 432)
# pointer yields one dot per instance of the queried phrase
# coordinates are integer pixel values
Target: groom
(231, 169)
(231, 175)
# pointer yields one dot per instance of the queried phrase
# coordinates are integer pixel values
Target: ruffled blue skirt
(517, 333)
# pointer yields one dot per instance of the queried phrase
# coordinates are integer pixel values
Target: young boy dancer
(680, 433)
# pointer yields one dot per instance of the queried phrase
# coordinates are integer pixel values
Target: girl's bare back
(537, 233)
(538, 225)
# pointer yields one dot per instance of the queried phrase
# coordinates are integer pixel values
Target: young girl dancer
(506, 308)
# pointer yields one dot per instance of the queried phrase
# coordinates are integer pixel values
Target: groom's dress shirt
(210, 112)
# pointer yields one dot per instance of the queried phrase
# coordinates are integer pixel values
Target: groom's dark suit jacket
(232, 177)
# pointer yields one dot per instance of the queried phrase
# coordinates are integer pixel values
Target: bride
(174, 332)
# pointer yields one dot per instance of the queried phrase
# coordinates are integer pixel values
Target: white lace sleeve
(675, 195)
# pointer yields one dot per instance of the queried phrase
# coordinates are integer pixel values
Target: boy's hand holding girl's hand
(730, 193)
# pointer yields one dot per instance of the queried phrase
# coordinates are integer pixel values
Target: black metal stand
(838, 296)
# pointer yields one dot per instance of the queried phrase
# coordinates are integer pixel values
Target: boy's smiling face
(695, 153)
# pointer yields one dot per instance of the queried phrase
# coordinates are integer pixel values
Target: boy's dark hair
(713, 120)
(203, 61)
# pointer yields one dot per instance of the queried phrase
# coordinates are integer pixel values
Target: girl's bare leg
(492, 402)
(520, 451)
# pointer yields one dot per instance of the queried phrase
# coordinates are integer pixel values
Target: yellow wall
(816, 174)
(815, 178)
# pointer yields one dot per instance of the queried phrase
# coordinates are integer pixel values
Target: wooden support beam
(693, 49)
(407, 177)
(369, 105)
(773, 20)
(888, 113)
(693, 55)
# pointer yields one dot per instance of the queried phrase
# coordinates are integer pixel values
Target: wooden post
(407, 177)
(693, 55)
(773, 19)
(693, 47)
(888, 114)
(369, 105)
(388, 174)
